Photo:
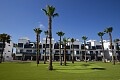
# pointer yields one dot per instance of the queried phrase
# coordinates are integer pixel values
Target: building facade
(7, 52)
(26, 50)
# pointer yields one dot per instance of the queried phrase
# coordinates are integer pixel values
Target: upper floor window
(47, 45)
(75, 46)
(110, 47)
(20, 44)
(56, 46)
(98, 47)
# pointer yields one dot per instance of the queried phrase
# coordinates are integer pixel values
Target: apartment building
(26, 50)
(7, 52)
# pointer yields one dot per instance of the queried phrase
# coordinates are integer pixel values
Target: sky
(76, 18)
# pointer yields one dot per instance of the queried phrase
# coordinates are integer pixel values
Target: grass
(76, 71)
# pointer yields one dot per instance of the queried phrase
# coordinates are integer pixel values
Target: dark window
(56, 46)
(40, 46)
(91, 52)
(8, 51)
(117, 47)
(47, 45)
(98, 47)
(77, 52)
(20, 44)
(57, 52)
(28, 50)
(0, 50)
(67, 47)
(21, 50)
(66, 52)
(82, 46)
(83, 52)
(31, 44)
(75, 46)
(27, 46)
(112, 47)
(93, 47)
(1, 45)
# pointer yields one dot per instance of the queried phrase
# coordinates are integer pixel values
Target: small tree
(117, 47)
(85, 38)
(4, 38)
(109, 32)
(46, 33)
(38, 32)
(101, 37)
(60, 34)
(65, 42)
(72, 40)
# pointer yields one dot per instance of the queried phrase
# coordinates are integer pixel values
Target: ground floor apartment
(78, 56)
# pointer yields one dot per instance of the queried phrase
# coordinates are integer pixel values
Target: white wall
(8, 50)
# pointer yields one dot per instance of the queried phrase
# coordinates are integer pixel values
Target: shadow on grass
(71, 69)
(98, 68)
(83, 69)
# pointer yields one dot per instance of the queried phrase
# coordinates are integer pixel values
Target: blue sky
(76, 18)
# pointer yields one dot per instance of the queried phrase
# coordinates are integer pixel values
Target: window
(29, 51)
(110, 47)
(7, 56)
(77, 52)
(82, 46)
(21, 50)
(98, 47)
(20, 44)
(57, 52)
(56, 46)
(93, 47)
(47, 45)
(67, 47)
(8, 51)
(75, 46)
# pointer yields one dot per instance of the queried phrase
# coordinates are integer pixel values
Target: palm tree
(85, 38)
(109, 32)
(72, 40)
(4, 38)
(46, 33)
(60, 34)
(38, 32)
(101, 37)
(117, 47)
(50, 12)
(65, 41)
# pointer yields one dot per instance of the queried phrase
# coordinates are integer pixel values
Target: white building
(8, 50)
(27, 50)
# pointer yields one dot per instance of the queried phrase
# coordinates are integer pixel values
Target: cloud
(41, 26)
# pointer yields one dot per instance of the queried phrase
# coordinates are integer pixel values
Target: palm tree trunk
(37, 55)
(45, 51)
(117, 51)
(103, 50)
(65, 54)
(113, 56)
(60, 52)
(72, 54)
(50, 37)
(85, 51)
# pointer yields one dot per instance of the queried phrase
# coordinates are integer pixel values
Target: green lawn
(76, 71)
